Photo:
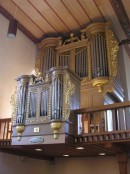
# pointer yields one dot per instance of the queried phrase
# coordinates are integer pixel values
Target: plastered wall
(93, 165)
(11, 164)
(17, 57)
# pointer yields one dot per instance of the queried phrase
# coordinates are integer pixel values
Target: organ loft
(73, 73)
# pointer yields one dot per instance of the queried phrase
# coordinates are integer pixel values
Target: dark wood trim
(122, 16)
(123, 19)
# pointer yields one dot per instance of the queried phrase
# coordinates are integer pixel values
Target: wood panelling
(44, 18)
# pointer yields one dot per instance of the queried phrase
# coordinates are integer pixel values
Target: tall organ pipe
(57, 98)
(21, 98)
(99, 56)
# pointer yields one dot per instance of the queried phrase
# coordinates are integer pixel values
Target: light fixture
(12, 30)
(102, 154)
(80, 148)
(38, 150)
(66, 155)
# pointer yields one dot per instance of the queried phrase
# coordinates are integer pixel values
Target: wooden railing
(103, 119)
(5, 130)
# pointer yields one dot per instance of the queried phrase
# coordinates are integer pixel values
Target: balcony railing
(109, 122)
(5, 131)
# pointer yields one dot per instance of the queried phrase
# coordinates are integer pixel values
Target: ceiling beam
(20, 26)
(123, 19)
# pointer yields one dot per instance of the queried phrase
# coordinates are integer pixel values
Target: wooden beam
(123, 19)
(20, 26)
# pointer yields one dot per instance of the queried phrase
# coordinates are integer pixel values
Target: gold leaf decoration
(13, 104)
(70, 88)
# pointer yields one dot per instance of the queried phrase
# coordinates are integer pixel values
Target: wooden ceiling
(52, 151)
(39, 19)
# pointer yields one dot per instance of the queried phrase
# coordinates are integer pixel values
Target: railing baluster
(113, 119)
(89, 115)
(125, 118)
(118, 120)
(94, 121)
(5, 129)
(106, 122)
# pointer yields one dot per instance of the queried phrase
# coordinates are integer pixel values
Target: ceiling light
(12, 30)
(38, 150)
(102, 154)
(65, 155)
(80, 148)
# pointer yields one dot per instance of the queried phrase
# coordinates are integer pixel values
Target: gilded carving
(83, 36)
(89, 61)
(72, 39)
(13, 105)
(38, 61)
(20, 129)
(112, 50)
(56, 126)
(70, 89)
(100, 82)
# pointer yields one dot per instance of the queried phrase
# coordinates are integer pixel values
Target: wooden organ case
(44, 107)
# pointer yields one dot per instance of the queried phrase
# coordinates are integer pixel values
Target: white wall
(16, 58)
(11, 164)
(93, 165)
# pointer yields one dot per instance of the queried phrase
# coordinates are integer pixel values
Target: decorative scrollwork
(72, 39)
(114, 51)
(112, 47)
(38, 61)
(13, 104)
(70, 89)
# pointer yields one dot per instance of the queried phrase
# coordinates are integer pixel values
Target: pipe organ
(45, 103)
(92, 56)
(49, 97)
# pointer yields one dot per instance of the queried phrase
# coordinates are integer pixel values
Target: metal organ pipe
(57, 98)
(21, 97)
(99, 56)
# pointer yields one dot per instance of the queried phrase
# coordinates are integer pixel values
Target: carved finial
(38, 78)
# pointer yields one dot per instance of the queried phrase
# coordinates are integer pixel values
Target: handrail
(102, 108)
(106, 118)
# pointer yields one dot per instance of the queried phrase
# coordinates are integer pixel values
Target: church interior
(64, 93)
